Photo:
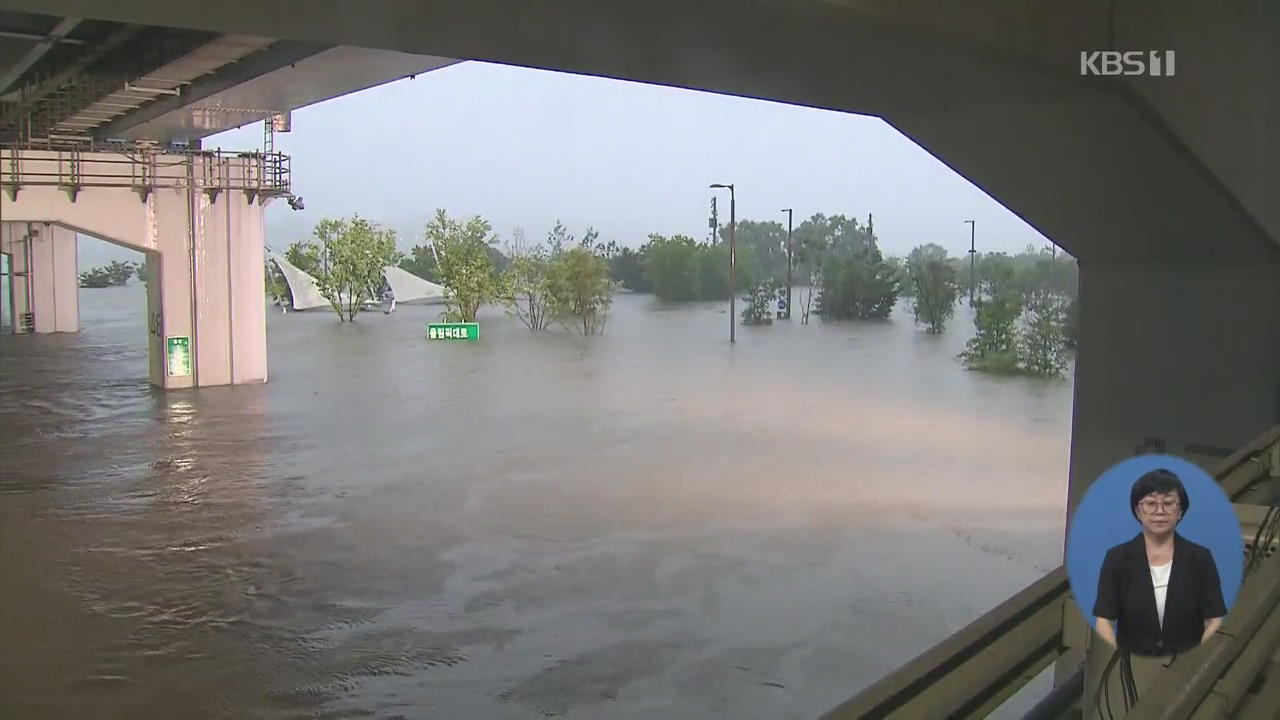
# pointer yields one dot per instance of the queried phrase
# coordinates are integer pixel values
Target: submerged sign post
(453, 331)
(177, 355)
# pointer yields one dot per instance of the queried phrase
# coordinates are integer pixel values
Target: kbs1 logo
(1156, 63)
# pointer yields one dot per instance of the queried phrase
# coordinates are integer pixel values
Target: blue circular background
(1103, 520)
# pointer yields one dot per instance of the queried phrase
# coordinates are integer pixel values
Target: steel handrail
(254, 171)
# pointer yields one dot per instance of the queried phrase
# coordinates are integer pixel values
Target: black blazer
(1127, 596)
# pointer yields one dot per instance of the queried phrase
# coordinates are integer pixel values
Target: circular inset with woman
(1158, 592)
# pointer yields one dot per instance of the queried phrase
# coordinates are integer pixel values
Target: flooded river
(644, 524)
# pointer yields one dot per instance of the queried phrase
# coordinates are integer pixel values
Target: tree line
(564, 279)
(1024, 304)
(114, 274)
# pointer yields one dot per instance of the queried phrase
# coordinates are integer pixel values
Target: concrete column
(44, 274)
(155, 318)
(211, 287)
(169, 301)
(1179, 355)
(55, 279)
(13, 242)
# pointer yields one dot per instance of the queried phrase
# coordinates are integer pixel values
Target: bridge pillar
(208, 304)
(1173, 357)
(198, 217)
(44, 275)
(206, 310)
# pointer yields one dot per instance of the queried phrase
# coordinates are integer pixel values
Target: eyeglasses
(1150, 506)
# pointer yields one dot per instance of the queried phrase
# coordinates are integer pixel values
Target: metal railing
(975, 670)
(143, 168)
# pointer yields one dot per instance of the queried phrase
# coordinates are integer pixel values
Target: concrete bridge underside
(1165, 189)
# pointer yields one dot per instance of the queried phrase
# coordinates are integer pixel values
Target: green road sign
(453, 331)
(177, 353)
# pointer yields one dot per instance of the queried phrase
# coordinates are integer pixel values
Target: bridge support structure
(198, 217)
(43, 278)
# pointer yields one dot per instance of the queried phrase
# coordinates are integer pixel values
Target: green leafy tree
(811, 242)
(996, 275)
(846, 268)
(307, 256)
(902, 275)
(765, 242)
(671, 267)
(757, 310)
(1042, 345)
(466, 265)
(353, 255)
(524, 286)
(680, 269)
(994, 346)
(114, 274)
(1071, 325)
(95, 278)
(421, 261)
(857, 288)
(579, 288)
(934, 282)
(626, 266)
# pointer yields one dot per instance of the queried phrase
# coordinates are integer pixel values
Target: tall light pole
(733, 260)
(973, 252)
(789, 262)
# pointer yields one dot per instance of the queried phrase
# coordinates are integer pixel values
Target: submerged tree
(579, 289)
(994, 346)
(354, 253)
(847, 268)
(757, 310)
(1042, 345)
(933, 282)
(626, 266)
(466, 265)
(114, 274)
(524, 286)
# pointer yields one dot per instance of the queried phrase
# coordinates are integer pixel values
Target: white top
(1160, 580)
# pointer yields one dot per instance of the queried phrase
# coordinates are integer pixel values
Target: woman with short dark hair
(1159, 593)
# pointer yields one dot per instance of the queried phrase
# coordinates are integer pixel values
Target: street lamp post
(789, 262)
(733, 260)
(972, 254)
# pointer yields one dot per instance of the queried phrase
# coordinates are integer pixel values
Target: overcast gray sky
(527, 147)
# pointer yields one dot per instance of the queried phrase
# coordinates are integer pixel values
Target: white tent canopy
(407, 287)
(303, 287)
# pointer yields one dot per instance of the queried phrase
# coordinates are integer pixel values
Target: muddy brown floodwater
(645, 524)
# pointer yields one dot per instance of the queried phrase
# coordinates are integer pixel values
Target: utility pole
(788, 211)
(733, 268)
(973, 252)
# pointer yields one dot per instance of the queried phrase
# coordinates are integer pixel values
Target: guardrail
(974, 671)
(143, 168)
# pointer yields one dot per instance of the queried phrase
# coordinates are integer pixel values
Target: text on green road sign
(177, 353)
(453, 331)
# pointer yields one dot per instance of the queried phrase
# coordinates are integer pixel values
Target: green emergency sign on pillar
(453, 331)
(177, 355)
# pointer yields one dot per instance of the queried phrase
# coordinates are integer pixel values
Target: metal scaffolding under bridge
(1234, 674)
